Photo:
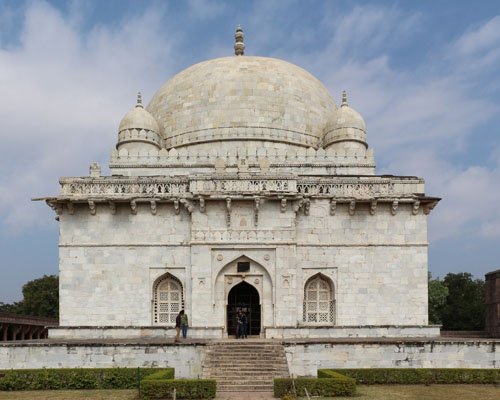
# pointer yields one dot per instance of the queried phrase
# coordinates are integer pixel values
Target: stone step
(244, 388)
(245, 366)
(256, 362)
(253, 371)
(249, 368)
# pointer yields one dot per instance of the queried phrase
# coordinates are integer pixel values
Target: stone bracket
(352, 207)
(92, 208)
(394, 207)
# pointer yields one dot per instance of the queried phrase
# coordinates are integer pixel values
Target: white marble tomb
(243, 185)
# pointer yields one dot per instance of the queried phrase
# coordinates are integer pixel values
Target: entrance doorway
(246, 298)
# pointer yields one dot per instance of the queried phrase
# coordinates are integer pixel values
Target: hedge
(409, 376)
(335, 385)
(158, 388)
(74, 378)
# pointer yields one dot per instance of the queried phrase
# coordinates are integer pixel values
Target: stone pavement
(244, 396)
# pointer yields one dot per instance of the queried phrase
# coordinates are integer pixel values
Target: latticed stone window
(319, 302)
(168, 300)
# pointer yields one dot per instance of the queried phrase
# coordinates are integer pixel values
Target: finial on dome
(344, 99)
(239, 46)
(139, 100)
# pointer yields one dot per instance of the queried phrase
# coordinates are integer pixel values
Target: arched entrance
(246, 298)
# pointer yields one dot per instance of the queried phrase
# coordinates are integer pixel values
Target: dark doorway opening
(246, 298)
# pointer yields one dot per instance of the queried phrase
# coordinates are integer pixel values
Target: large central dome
(242, 98)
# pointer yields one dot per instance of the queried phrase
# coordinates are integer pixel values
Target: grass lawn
(375, 392)
(421, 392)
(71, 395)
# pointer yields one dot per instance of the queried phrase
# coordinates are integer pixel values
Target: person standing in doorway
(178, 325)
(244, 325)
(184, 324)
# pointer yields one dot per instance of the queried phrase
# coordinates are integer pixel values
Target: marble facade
(243, 178)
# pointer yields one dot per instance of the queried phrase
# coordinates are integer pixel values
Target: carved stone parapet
(243, 185)
(106, 186)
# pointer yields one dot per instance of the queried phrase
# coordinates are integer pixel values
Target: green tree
(465, 303)
(40, 298)
(438, 293)
(14, 308)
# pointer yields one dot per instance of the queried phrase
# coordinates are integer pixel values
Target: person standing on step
(178, 325)
(184, 324)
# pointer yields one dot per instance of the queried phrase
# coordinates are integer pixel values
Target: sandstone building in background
(242, 185)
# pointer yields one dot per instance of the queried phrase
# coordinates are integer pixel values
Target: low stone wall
(130, 332)
(187, 359)
(390, 331)
(155, 332)
(303, 357)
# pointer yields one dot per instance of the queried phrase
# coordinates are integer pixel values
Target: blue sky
(424, 74)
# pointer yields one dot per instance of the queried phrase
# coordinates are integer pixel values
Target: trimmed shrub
(185, 388)
(409, 376)
(162, 374)
(335, 385)
(74, 378)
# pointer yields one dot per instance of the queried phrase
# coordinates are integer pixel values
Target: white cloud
(64, 95)
(68, 89)
(206, 9)
(421, 119)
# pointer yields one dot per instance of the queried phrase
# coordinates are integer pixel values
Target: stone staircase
(245, 365)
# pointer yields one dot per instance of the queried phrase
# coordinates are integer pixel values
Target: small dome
(346, 125)
(138, 125)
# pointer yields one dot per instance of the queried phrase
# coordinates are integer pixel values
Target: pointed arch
(319, 301)
(168, 299)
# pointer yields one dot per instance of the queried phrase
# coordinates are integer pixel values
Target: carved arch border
(154, 295)
(333, 303)
(259, 287)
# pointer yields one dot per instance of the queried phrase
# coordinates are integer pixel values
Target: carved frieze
(243, 236)
(341, 189)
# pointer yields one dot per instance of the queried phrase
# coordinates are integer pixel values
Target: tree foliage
(457, 302)
(40, 298)
(438, 292)
(465, 304)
